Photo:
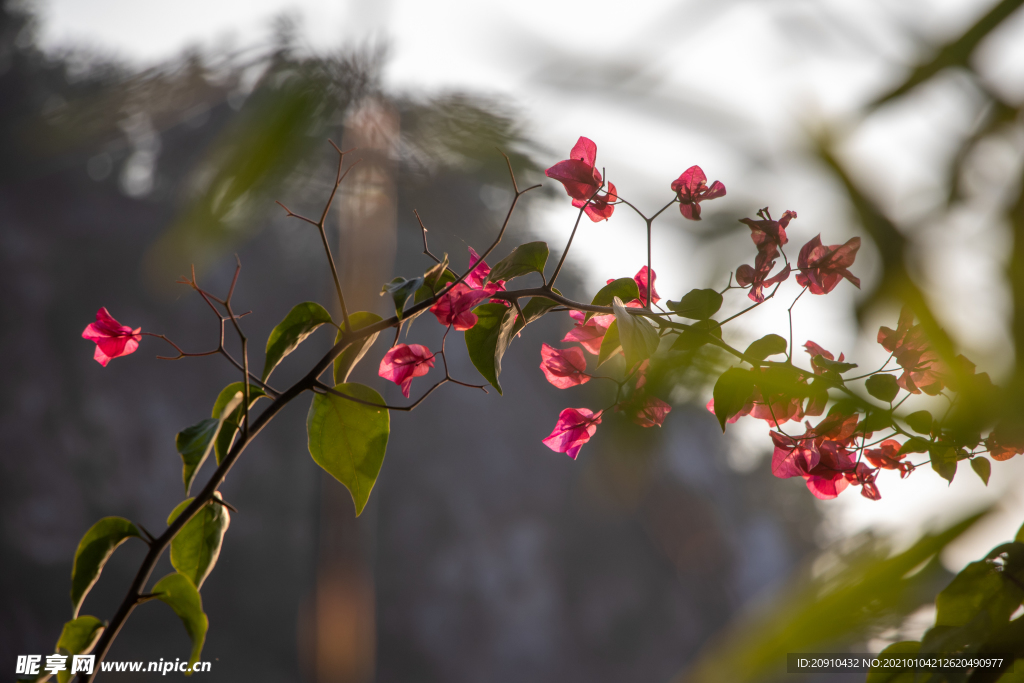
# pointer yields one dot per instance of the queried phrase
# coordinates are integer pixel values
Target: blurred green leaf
(920, 421)
(883, 387)
(982, 467)
(697, 335)
(92, 554)
(891, 675)
(943, 458)
(732, 391)
(178, 592)
(768, 345)
(195, 549)
(349, 439)
(867, 592)
(698, 304)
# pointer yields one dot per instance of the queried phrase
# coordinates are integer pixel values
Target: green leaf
(537, 307)
(400, 290)
(697, 335)
(834, 366)
(732, 391)
(300, 322)
(982, 467)
(194, 551)
(979, 588)
(698, 304)
(920, 422)
(485, 341)
(93, 552)
(526, 258)
(625, 288)
(768, 345)
(882, 387)
(195, 443)
(875, 421)
(78, 637)
(944, 460)
(610, 344)
(348, 439)
(915, 444)
(233, 421)
(435, 279)
(177, 591)
(350, 357)
(638, 337)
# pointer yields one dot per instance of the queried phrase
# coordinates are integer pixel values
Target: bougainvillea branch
(863, 433)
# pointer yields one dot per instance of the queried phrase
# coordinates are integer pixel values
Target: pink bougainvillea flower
(1005, 441)
(641, 283)
(922, 369)
(888, 457)
(456, 307)
(564, 368)
(821, 268)
(767, 233)
(649, 411)
(590, 333)
(864, 477)
(574, 428)
(600, 207)
(691, 189)
(112, 338)
(582, 181)
(404, 362)
(821, 455)
(757, 277)
(640, 373)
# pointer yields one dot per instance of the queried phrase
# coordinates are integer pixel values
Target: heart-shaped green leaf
(625, 288)
(610, 344)
(300, 322)
(698, 304)
(768, 345)
(94, 550)
(177, 591)
(349, 439)
(882, 387)
(982, 467)
(526, 258)
(195, 549)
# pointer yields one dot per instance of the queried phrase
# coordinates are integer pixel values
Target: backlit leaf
(78, 637)
(482, 340)
(698, 304)
(697, 335)
(638, 337)
(400, 290)
(768, 345)
(350, 357)
(178, 592)
(526, 258)
(300, 322)
(195, 549)
(94, 550)
(195, 443)
(233, 421)
(732, 391)
(349, 439)
(982, 467)
(625, 288)
(883, 387)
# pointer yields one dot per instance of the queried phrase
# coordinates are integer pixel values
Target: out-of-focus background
(139, 138)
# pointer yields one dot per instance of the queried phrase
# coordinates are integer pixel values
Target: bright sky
(661, 85)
